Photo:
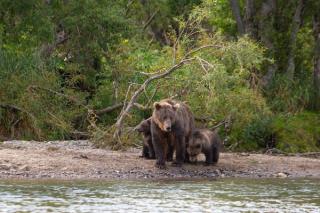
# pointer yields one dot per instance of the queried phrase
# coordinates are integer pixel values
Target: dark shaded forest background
(69, 68)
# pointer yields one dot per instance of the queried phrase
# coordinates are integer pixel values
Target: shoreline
(80, 161)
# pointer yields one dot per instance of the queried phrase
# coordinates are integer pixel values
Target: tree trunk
(316, 71)
(266, 33)
(296, 22)
(249, 18)
(235, 7)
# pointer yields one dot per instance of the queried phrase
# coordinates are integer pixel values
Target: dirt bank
(80, 160)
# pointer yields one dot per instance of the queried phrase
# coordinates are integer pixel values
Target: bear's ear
(156, 105)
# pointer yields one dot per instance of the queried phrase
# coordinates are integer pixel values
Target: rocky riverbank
(80, 160)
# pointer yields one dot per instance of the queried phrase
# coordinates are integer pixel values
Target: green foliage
(43, 115)
(220, 16)
(298, 133)
(61, 59)
(289, 96)
(220, 86)
(258, 134)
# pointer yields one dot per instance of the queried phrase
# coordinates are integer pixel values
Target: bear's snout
(167, 126)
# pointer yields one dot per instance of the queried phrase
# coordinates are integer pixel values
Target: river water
(223, 195)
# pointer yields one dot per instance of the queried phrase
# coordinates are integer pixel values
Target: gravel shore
(68, 160)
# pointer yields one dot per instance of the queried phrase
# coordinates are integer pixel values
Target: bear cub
(207, 142)
(144, 129)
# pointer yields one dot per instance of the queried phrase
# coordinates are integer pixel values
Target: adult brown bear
(147, 150)
(172, 124)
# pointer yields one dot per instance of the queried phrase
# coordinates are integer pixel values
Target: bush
(289, 95)
(258, 134)
(298, 133)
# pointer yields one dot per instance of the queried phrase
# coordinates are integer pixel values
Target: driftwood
(309, 154)
(275, 151)
(80, 135)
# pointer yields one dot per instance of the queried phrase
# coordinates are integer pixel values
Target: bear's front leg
(209, 158)
(215, 153)
(151, 150)
(159, 144)
(171, 145)
(145, 152)
(187, 157)
(180, 145)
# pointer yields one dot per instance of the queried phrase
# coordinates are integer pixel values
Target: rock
(84, 156)
(81, 156)
(53, 148)
(24, 168)
(218, 172)
(281, 175)
(243, 154)
(5, 167)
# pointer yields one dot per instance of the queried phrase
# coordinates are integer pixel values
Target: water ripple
(227, 195)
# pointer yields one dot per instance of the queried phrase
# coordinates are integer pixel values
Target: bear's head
(164, 115)
(144, 126)
(195, 146)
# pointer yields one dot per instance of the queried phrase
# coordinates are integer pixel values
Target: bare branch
(70, 98)
(152, 96)
(16, 108)
(128, 7)
(181, 92)
(152, 73)
(203, 63)
(140, 106)
(218, 125)
(150, 19)
(176, 44)
(108, 109)
(202, 119)
(201, 48)
(125, 100)
(133, 99)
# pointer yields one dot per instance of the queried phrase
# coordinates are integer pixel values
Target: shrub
(298, 133)
(258, 134)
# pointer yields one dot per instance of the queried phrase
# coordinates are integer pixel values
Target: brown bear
(172, 124)
(207, 142)
(145, 129)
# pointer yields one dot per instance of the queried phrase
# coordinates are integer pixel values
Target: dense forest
(74, 69)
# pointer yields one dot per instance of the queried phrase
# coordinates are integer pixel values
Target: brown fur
(144, 128)
(207, 142)
(172, 124)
